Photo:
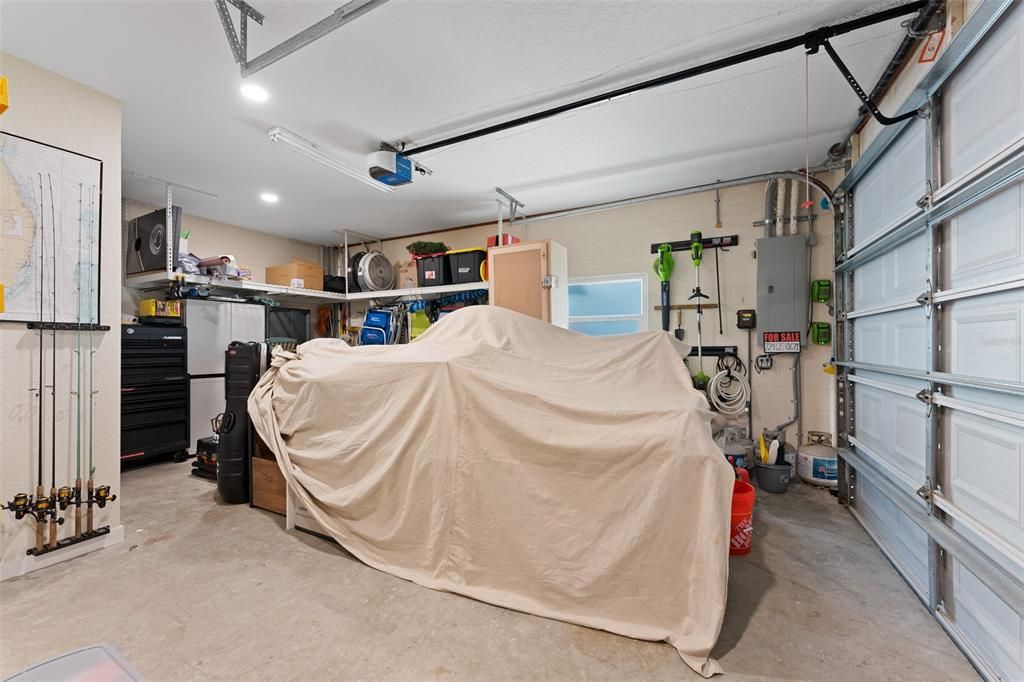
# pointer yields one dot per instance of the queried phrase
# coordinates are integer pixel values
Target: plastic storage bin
(467, 265)
(432, 270)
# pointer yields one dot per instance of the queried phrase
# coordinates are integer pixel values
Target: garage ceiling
(420, 70)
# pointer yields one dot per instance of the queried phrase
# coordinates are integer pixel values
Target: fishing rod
(91, 303)
(53, 371)
(96, 495)
(78, 372)
(23, 504)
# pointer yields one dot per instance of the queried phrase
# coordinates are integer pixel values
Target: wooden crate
(268, 485)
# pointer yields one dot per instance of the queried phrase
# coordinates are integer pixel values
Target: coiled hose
(729, 390)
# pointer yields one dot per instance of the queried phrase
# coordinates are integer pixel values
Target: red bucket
(741, 528)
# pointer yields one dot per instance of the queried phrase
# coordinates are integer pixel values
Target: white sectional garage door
(930, 338)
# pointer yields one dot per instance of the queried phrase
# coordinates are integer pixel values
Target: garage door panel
(894, 428)
(986, 242)
(869, 417)
(904, 539)
(893, 339)
(987, 622)
(986, 473)
(870, 290)
(985, 336)
(909, 340)
(910, 268)
(893, 186)
(984, 103)
(899, 275)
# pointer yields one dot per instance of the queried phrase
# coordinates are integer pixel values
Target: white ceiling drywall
(420, 70)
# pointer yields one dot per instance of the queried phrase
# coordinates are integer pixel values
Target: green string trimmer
(700, 379)
(663, 266)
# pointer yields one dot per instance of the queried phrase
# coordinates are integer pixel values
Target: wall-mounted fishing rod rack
(68, 326)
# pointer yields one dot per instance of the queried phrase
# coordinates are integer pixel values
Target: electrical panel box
(782, 285)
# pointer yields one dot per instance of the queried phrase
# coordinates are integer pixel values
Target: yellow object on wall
(3, 94)
(1, 298)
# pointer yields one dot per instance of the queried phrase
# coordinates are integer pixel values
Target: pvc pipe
(780, 208)
(794, 190)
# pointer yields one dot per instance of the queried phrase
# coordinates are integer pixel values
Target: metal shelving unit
(153, 281)
(418, 292)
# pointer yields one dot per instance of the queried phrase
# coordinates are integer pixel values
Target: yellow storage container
(153, 307)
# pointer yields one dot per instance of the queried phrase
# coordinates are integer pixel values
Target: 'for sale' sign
(782, 342)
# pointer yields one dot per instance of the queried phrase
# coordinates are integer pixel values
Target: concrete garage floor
(204, 591)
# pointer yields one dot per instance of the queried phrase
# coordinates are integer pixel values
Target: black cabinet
(154, 391)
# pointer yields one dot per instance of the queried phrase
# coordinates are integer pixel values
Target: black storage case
(465, 265)
(433, 271)
(334, 283)
(154, 391)
(242, 369)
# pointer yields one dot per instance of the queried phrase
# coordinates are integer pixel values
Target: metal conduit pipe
(683, 191)
(796, 397)
(770, 189)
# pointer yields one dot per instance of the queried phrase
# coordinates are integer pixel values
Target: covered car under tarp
(521, 464)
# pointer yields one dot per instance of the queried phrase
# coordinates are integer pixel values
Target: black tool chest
(154, 391)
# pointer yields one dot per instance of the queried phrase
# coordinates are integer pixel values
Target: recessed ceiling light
(269, 197)
(254, 92)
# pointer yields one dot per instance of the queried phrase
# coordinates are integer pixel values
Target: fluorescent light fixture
(254, 92)
(269, 197)
(327, 158)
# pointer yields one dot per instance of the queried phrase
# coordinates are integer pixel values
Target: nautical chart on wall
(49, 232)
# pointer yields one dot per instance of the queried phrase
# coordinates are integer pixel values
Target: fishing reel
(20, 505)
(65, 497)
(39, 508)
(101, 495)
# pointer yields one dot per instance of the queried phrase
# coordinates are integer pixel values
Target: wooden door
(516, 274)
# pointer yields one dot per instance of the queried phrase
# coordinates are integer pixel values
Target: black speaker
(243, 365)
(149, 239)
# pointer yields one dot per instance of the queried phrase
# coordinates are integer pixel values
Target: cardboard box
(405, 275)
(299, 273)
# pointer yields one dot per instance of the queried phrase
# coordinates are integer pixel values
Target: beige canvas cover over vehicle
(518, 463)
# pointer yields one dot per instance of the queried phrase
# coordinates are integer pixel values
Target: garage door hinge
(926, 299)
(925, 492)
(925, 396)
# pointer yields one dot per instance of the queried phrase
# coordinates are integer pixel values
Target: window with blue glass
(608, 305)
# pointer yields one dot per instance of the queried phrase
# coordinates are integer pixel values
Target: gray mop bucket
(773, 478)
